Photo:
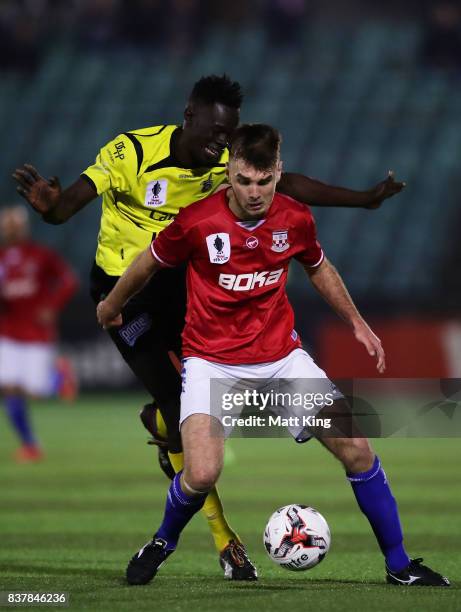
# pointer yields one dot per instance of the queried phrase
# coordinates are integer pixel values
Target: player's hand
(107, 315)
(385, 189)
(42, 194)
(372, 343)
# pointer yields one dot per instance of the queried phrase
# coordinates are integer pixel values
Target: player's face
(208, 129)
(14, 225)
(252, 190)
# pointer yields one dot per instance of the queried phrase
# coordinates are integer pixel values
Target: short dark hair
(215, 89)
(257, 144)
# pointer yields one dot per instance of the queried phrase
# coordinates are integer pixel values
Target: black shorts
(152, 324)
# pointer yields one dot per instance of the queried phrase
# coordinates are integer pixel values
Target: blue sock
(16, 409)
(179, 510)
(377, 503)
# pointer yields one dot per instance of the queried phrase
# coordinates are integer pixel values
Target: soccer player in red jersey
(35, 284)
(239, 325)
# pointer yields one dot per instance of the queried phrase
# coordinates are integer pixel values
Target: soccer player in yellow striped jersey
(142, 190)
(145, 176)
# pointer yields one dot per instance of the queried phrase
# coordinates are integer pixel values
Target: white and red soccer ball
(297, 537)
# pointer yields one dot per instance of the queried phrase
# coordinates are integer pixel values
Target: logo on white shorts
(156, 193)
(218, 248)
(280, 241)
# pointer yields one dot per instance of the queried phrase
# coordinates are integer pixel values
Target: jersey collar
(247, 225)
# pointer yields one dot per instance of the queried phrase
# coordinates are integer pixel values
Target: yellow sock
(220, 529)
(161, 427)
(213, 510)
(176, 460)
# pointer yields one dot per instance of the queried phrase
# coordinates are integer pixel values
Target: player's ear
(278, 171)
(188, 115)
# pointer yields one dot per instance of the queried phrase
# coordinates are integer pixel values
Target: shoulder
(203, 210)
(150, 132)
(151, 139)
(138, 148)
(152, 144)
(117, 155)
(298, 210)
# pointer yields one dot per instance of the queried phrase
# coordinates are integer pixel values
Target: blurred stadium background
(356, 88)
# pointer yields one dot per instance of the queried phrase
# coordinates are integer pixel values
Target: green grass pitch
(72, 522)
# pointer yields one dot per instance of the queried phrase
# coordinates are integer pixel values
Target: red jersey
(237, 308)
(32, 279)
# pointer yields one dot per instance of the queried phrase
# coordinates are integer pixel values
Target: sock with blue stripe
(179, 510)
(377, 503)
(17, 411)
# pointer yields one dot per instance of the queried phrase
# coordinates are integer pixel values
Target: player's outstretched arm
(316, 193)
(330, 285)
(108, 311)
(47, 197)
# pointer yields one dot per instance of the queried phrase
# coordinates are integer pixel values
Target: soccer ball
(297, 537)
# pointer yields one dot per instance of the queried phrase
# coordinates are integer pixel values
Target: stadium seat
(353, 103)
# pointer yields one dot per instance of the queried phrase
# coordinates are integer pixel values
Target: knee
(356, 455)
(201, 478)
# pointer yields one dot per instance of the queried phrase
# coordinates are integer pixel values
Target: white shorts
(295, 377)
(27, 365)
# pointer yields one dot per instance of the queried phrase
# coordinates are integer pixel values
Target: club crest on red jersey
(218, 248)
(280, 241)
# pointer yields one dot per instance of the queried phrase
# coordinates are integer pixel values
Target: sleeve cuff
(90, 181)
(316, 265)
(159, 259)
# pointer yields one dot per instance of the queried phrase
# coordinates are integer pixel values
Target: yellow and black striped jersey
(142, 191)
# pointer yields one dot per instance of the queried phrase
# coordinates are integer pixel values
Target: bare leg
(355, 454)
(203, 445)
